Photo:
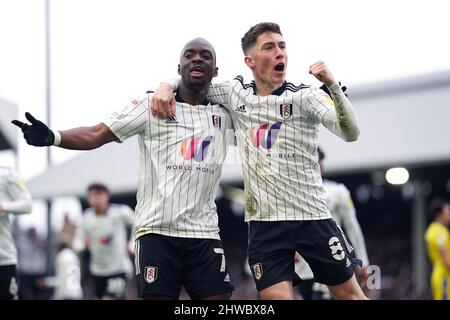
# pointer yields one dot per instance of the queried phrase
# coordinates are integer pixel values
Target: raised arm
(39, 134)
(340, 118)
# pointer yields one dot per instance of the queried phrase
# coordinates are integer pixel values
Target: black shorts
(9, 287)
(111, 286)
(164, 264)
(272, 245)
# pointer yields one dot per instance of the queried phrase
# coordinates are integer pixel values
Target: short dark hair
(436, 207)
(252, 34)
(97, 186)
(321, 154)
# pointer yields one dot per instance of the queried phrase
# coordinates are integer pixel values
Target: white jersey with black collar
(277, 137)
(181, 162)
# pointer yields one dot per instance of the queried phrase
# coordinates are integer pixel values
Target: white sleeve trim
(57, 141)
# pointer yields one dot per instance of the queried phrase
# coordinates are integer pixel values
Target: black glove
(325, 88)
(37, 134)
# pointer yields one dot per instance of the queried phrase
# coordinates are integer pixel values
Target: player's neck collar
(277, 92)
(180, 100)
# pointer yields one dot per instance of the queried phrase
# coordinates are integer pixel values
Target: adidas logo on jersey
(227, 278)
(240, 109)
(172, 120)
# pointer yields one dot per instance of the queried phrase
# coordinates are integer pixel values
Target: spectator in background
(437, 237)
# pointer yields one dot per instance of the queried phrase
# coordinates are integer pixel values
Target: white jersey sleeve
(16, 199)
(219, 93)
(335, 114)
(127, 215)
(129, 120)
(347, 216)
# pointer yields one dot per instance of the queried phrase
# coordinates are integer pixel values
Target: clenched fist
(322, 73)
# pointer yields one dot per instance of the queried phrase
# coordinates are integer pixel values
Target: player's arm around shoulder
(219, 93)
(162, 103)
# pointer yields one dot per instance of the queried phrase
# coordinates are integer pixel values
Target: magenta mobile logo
(106, 240)
(265, 137)
(195, 148)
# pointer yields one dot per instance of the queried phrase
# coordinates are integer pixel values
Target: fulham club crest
(150, 274)
(286, 110)
(217, 121)
(257, 271)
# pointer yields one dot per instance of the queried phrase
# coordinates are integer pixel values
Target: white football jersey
(15, 199)
(67, 276)
(277, 137)
(105, 236)
(180, 165)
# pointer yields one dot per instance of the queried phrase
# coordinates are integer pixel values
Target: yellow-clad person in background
(437, 237)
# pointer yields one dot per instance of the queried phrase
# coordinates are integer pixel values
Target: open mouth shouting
(197, 72)
(280, 67)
